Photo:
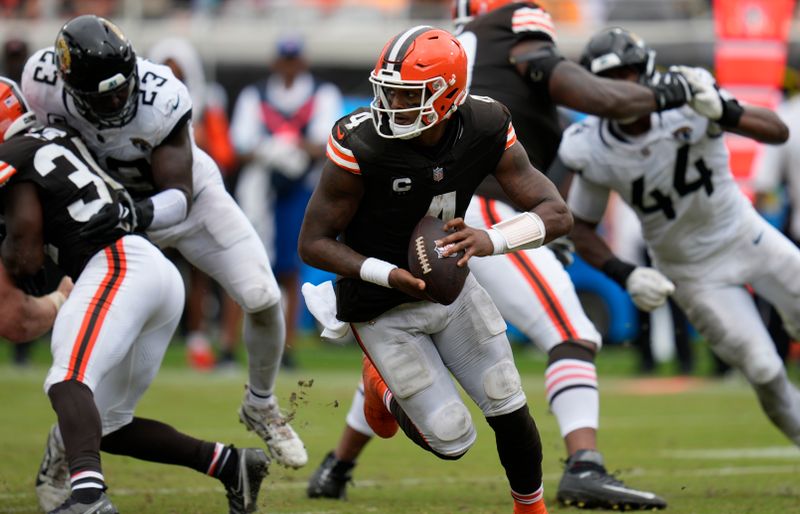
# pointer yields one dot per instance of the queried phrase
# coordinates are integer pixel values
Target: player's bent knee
(258, 299)
(406, 371)
(761, 367)
(453, 431)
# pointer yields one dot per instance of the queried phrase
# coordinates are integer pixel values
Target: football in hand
(443, 278)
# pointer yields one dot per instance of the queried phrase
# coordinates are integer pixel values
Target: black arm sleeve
(540, 64)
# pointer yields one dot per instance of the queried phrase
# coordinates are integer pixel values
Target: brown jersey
(403, 182)
(72, 188)
(493, 35)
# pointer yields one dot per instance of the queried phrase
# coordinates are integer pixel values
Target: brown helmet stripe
(393, 58)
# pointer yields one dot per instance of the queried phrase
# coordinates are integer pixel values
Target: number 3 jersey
(164, 106)
(403, 182)
(675, 176)
(72, 188)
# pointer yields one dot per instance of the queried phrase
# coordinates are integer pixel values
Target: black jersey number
(39, 74)
(680, 181)
(149, 97)
(56, 157)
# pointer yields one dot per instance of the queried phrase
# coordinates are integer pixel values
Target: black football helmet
(98, 66)
(615, 48)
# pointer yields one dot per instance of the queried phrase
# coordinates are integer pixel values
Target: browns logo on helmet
(425, 66)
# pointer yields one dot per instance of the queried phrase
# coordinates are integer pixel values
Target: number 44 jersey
(675, 176)
(72, 188)
(164, 106)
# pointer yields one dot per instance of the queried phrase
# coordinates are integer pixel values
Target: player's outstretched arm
(761, 124)
(720, 106)
(572, 86)
(331, 208)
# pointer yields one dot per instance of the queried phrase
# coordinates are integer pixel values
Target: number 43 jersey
(675, 176)
(164, 105)
(72, 188)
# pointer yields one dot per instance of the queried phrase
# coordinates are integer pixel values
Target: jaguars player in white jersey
(706, 241)
(135, 115)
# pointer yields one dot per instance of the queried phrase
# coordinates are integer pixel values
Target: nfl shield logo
(438, 174)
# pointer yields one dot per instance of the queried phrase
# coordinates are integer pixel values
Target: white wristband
(376, 271)
(169, 208)
(58, 299)
(521, 232)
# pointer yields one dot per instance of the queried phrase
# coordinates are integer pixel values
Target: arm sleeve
(169, 207)
(587, 200)
(36, 91)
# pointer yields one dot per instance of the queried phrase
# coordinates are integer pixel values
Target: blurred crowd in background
(266, 120)
(569, 11)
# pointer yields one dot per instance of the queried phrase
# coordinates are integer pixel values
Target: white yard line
(770, 452)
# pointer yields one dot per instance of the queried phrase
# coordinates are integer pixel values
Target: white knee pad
(452, 429)
(501, 380)
(406, 371)
(259, 297)
(759, 367)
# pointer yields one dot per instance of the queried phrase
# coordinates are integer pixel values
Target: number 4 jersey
(164, 106)
(675, 176)
(72, 188)
(404, 181)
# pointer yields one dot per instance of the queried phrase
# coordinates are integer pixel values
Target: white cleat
(52, 480)
(272, 426)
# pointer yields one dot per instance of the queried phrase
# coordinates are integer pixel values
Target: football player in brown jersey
(110, 336)
(514, 59)
(422, 148)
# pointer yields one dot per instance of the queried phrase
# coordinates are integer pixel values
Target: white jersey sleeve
(587, 200)
(42, 87)
(165, 101)
(575, 150)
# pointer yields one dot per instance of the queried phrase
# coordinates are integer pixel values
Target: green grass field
(704, 445)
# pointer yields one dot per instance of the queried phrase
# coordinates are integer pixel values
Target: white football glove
(648, 288)
(706, 97)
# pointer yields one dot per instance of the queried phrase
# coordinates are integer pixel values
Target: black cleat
(243, 494)
(587, 485)
(330, 479)
(102, 505)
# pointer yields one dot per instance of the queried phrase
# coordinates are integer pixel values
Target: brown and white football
(443, 278)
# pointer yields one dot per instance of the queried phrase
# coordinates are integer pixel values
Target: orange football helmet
(15, 115)
(462, 11)
(425, 65)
